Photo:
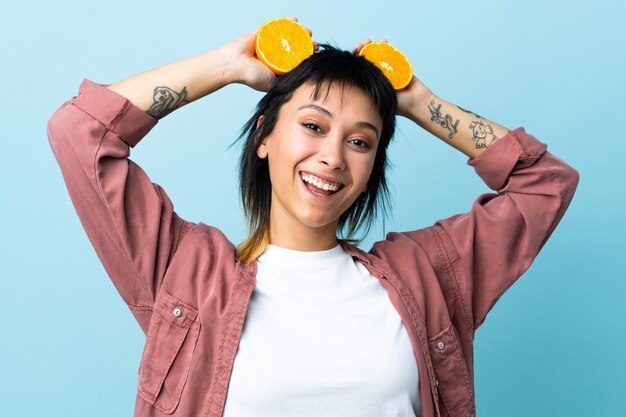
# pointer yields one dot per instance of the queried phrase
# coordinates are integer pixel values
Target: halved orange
(393, 63)
(282, 44)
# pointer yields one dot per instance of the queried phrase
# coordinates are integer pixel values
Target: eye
(312, 126)
(360, 143)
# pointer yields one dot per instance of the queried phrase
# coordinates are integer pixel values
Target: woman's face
(320, 155)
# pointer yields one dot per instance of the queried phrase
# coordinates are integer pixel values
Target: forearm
(458, 127)
(161, 90)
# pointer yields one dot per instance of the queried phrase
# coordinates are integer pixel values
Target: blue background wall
(552, 346)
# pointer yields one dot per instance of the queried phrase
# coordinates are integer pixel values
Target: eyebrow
(365, 125)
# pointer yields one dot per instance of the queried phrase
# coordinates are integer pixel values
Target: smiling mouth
(320, 186)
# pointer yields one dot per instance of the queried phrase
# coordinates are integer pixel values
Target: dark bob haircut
(329, 65)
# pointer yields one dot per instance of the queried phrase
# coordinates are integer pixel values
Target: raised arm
(162, 90)
(482, 252)
(479, 254)
(130, 221)
(458, 127)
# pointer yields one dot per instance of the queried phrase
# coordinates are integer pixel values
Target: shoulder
(203, 265)
(208, 234)
(423, 261)
(199, 238)
(401, 247)
(413, 256)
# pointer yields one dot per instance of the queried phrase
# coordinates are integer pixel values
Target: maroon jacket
(189, 294)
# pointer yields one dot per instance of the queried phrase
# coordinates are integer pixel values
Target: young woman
(296, 320)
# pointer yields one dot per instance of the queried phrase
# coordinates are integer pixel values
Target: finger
(310, 32)
(316, 46)
(360, 46)
(384, 40)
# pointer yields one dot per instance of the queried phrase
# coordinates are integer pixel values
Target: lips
(320, 185)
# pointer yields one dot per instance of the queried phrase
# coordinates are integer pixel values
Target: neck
(312, 243)
(289, 234)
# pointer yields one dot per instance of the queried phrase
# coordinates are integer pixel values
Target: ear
(261, 151)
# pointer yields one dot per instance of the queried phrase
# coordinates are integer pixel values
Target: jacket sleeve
(129, 220)
(482, 252)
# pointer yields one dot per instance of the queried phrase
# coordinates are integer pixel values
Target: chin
(318, 222)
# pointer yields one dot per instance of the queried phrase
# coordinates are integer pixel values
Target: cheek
(284, 157)
(363, 170)
(290, 149)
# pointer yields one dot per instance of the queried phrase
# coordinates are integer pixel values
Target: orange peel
(282, 44)
(391, 61)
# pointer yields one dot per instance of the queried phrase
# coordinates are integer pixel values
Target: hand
(248, 69)
(411, 97)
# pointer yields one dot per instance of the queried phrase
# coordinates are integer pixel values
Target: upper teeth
(319, 183)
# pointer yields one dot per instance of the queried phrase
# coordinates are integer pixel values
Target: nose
(331, 154)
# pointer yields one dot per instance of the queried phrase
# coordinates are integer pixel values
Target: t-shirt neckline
(300, 259)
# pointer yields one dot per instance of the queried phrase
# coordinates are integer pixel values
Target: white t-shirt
(321, 338)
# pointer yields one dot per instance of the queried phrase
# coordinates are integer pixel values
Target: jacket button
(441, 345)
(176, 312)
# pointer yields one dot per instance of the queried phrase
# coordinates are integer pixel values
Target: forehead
(339, 96)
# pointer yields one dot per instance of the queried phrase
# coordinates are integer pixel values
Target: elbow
(561, 179)
(59, 126)
(54, 126)
(569, 178)
(53, 129)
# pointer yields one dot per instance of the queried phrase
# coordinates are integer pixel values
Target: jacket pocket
(453, 381)
(168, 353)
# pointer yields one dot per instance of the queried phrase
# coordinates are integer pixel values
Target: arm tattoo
(166, 101)
(447, 122)
(482, 134)
(470, 112)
